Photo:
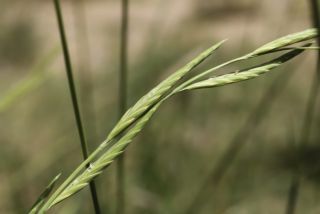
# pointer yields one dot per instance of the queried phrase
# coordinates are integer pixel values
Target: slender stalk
(295, 181)
(293, 195)
(74, 98)
(310, 109)
(314, 91)
(120, 176)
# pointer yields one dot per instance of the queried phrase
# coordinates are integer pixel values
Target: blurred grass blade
(36, 206)
(245, 74)
(20, 89)
(33, 80)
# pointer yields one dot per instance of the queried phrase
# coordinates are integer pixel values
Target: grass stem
(309, 114)
(74, 98)
(293, 195)
(120, 176)
(314, 91)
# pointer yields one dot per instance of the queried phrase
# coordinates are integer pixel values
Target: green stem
(120, 177)
(293, 195)
(74, 98)
(309, 113)
(314, 91)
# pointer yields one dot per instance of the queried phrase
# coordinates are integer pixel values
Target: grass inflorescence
(135, 119)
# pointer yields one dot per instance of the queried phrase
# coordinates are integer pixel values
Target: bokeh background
(223, 150)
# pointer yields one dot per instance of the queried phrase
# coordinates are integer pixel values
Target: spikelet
(245, 74)
(286, 41)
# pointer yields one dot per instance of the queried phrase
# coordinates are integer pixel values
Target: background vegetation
(200, 153)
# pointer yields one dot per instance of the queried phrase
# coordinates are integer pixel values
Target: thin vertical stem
(74, 98)
(295, 180)
(120, 209)
(308, 118)
(309, 114)
(293, 195)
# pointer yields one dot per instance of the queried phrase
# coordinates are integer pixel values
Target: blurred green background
(222, 150)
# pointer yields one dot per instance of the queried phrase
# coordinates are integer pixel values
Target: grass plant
(136, 117)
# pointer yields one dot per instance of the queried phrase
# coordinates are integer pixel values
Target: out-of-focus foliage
(174, 157)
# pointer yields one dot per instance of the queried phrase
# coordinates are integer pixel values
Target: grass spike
(245, 74)
(286, 41)
(136, 117)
